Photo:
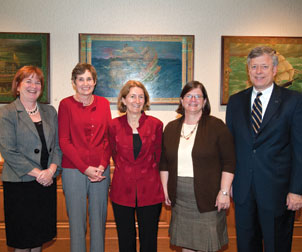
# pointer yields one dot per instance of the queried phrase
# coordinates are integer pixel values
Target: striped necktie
(257, 113)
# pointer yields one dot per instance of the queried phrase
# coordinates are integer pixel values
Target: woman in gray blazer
(29, 146)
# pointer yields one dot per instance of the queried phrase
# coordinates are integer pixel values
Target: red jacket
(136, 180)
(83, 133)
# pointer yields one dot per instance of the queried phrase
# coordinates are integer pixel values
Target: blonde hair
(125, 91)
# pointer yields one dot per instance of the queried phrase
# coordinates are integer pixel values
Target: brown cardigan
(212, 153)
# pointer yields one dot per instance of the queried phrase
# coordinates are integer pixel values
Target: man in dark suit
(266, 122)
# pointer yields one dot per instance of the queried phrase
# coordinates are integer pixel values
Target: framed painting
(235, 49)
(163, 63)
(18, 50)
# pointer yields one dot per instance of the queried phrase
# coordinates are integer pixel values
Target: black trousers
(147, 218)
(257, 228)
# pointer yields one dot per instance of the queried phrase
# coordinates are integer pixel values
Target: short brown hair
(206, 110)
(125, 91)
(261, 50)
(81, 68)
(25, 72)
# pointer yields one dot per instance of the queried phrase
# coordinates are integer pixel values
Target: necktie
(257, 113)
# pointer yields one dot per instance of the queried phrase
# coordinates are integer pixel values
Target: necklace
(133, 123)
(187, 137)
(84, 104)
(33, 111)
(90, 102)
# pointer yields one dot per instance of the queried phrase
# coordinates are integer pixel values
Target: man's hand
(294, 201)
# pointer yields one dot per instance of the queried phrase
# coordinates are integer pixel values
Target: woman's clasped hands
(45, 177)
(95, 174)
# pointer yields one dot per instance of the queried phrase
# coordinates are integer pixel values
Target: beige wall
(206, 19)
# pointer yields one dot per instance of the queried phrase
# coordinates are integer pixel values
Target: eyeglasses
(196, 96)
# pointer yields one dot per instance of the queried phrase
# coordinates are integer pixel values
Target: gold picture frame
(163, 63)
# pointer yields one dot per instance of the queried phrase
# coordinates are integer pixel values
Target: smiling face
(135, 100)
(193, 101)
(262, 72)
(30, 88)
(84, 84)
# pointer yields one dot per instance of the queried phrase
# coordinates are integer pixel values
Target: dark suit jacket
(213, 152)
(20, 144)
(273, 158)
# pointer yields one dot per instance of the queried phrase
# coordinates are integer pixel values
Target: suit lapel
(246, 101)
(272, 107)
(45, 122)
(25, 117)
(174, 141)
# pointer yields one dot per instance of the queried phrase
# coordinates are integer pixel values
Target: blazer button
(36, 151)
(50, 150)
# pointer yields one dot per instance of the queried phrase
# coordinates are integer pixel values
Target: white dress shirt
(264, 98)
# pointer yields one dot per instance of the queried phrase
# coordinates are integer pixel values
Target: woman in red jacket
(135, 140)
(83, 134)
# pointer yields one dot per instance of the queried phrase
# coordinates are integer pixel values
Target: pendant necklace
(187, 137)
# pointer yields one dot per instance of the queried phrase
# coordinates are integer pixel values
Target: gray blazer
(20, 144)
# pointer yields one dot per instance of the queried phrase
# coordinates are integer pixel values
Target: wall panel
(61, 243)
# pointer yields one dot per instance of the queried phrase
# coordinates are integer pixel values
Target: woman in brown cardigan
(197, 169)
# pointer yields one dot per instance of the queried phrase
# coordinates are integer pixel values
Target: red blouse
(83, 133)
(136, 180)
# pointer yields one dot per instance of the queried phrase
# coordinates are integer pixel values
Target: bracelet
(224, 193)
(51, 171)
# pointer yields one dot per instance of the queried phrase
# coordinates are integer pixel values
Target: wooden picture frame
(234, 52)
(163, 63)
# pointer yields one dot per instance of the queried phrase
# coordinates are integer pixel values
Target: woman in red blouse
(135, 141)
(83, 136)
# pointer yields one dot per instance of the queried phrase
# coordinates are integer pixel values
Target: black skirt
(30, 213)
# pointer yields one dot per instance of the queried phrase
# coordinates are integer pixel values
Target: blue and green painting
(158, 65)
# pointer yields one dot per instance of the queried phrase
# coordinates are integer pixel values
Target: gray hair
(261, 50)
